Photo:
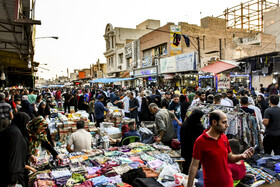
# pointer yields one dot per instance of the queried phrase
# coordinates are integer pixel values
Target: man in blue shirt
(99, 110)
(132, 131)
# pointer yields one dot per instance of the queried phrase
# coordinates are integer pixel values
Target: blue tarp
(108, 80)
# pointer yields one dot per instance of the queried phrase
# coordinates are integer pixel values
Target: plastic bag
(146, 135)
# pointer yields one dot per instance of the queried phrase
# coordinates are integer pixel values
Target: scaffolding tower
(248, 15)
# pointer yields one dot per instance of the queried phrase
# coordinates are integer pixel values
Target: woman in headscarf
(184, 106)
(262, 103)
(146, 115)
(37, 135)
(158, 100)
(190, 131)
(26, 106)
(14, 152)
(43, 110)
(81, 103)
(191, 97)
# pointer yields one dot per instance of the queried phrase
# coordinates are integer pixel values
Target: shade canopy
(219, 66)
(109, 80)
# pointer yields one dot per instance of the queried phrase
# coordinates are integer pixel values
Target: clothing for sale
(176, 39)
(146, 182)
(213, 155)
(131, 175)
(260, 174)
(187, 40)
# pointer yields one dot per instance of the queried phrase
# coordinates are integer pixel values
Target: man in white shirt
(125, 101)
(81, 139)
(200, 98)
(259, 119)
(225, 98)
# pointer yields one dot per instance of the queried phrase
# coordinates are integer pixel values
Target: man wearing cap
(6, 113)
(166, 100)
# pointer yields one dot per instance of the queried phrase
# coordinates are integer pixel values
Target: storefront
(205, 81)
(185, 67)
(189, 80)
(146, 76)
(237, 80)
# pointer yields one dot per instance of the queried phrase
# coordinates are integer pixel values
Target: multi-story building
(118, 45)
(99, 70)
(17, 41)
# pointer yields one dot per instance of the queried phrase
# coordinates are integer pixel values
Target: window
(121, 58)
(112, 39)
(107, 45)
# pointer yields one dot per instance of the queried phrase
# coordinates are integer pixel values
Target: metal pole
(220, 44)
(198, 50)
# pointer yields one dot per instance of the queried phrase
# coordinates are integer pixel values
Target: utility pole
(198, 51)
(220, 46)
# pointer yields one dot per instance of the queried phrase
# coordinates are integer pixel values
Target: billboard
(175, 33)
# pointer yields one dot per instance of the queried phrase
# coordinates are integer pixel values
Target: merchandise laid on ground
(136, 164)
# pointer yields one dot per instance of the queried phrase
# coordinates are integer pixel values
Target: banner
(175, 49)
(168, 65)
(186, 62)
(223, 81)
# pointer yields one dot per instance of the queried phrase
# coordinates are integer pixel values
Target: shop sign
(223, 81)
(147, 62)
(168, 76)
(124, 74)
(175, 49)
(186, 62)
(128, 50)
(145, 72)
(168, 65)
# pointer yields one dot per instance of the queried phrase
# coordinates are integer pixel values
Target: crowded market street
(161, 103)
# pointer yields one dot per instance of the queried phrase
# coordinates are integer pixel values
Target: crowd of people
(24, 129)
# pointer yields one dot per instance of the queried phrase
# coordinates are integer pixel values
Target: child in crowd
(238, 169)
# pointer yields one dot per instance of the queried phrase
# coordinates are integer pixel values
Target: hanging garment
(176, 39)
(187, 40)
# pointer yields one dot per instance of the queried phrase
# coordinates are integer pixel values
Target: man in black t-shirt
(231, 97)
(272, 122)
(67, 97)
(166, 100)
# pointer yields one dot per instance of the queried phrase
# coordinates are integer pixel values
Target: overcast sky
(80, 26)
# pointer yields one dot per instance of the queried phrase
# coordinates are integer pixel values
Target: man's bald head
(216, 115)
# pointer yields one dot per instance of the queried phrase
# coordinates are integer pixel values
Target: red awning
(218, 67)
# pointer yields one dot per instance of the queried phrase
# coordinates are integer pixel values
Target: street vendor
(163, 119)
(132, 131)
(81, 139)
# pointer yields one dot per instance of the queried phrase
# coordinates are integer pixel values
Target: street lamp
(52, 37)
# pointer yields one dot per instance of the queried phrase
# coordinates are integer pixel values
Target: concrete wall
(272, 24)
(156, 38)
(149, 23)
(265, 80)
